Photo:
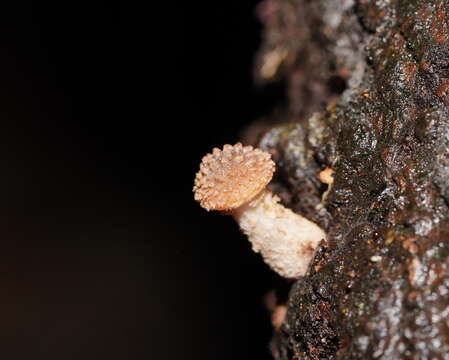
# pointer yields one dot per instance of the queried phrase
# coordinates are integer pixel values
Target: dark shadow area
(106, 111)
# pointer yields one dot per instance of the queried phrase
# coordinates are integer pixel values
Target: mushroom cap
(231, 177)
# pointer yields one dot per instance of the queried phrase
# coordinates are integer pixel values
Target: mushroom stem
(286, 240)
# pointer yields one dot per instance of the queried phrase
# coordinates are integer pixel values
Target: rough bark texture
(368, 85)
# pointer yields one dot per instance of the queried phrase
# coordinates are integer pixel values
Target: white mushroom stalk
(234, 180)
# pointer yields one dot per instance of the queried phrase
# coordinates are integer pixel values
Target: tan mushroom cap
(231, 177)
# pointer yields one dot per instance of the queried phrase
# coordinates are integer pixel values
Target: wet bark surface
(368, 89)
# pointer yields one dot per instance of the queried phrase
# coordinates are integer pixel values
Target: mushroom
(234, 180)
(326, 176)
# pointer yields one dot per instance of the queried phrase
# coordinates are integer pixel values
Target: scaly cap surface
(231, 177)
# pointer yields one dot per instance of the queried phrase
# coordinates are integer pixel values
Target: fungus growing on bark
(234, 180)
(326, 176)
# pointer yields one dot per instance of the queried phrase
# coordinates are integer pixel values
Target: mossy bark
(368, 88)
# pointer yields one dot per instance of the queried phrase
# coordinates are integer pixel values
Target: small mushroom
(234, 180)
(326, 176)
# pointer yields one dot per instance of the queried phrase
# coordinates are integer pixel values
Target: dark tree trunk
(368, 85)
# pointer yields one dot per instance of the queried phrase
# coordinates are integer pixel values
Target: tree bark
(368, 89)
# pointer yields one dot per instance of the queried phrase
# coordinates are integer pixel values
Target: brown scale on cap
(231, 177)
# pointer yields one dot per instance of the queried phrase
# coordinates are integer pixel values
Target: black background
(106, 111)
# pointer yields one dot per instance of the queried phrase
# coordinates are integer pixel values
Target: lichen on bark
(368, 88)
